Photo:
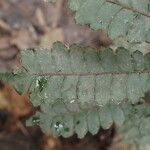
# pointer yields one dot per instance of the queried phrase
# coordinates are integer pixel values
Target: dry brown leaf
(117, 144)
(51, 36)
(50, 143)
(4, 43)
(22, 39)
(13, 107)
(4, 26)
(104, 39)
(58, 12)
(20, 105)
(41, 18)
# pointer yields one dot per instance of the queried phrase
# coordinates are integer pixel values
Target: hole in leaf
(57, 123)
(58, 126)
(59, 70)
(41, 83)
(35, 120)
(135, 111)
(78, 122)
(66, 129)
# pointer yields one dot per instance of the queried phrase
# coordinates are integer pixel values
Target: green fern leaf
(135, 129)
(96, 78)
(78, 86)
(127, 21)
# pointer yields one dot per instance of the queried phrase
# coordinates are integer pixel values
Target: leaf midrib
(124, 6)
(93, 74)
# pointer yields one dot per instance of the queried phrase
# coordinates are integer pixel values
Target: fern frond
(78, 86)
(127, 21)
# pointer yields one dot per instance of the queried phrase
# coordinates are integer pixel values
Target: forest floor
(28, 24)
